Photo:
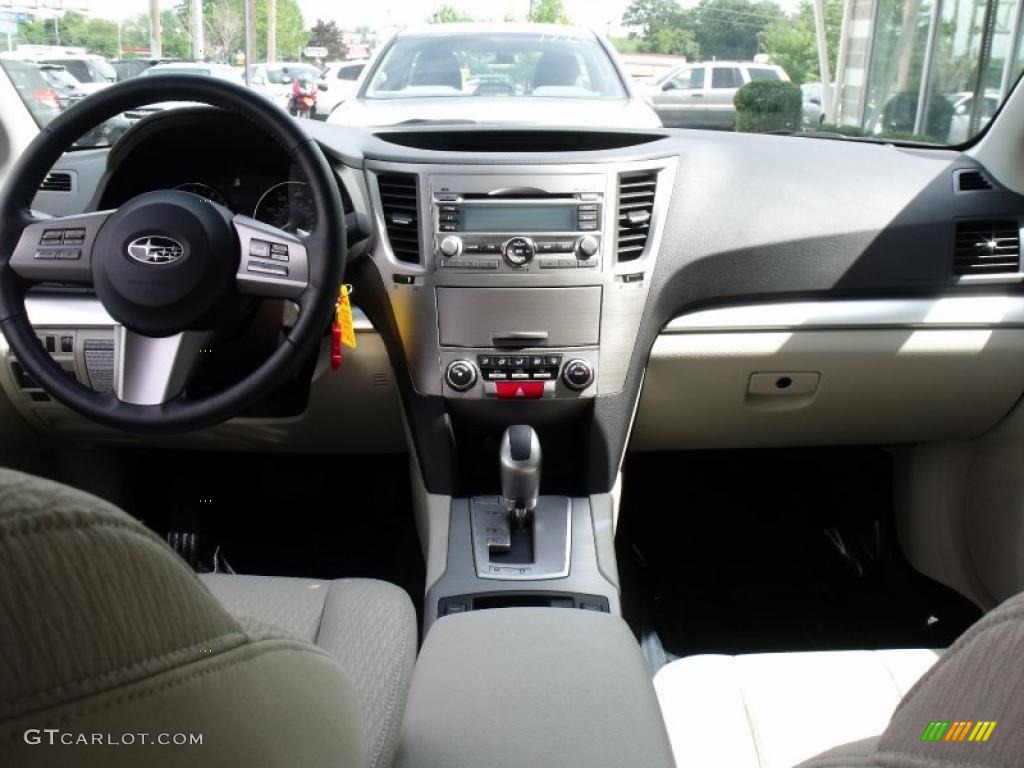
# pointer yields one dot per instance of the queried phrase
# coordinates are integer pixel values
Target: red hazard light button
(519, 390)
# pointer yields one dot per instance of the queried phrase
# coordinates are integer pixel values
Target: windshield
(495, 64)
(277, 75)
(911, 71)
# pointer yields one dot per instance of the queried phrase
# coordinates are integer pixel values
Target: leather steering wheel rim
(325, 252)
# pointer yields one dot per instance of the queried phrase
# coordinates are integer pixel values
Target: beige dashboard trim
(942, 312)
(71, 311)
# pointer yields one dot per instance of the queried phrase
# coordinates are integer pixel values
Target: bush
(768, 105)
(842, 130)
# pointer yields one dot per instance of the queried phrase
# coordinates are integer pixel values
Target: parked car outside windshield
(496, 73)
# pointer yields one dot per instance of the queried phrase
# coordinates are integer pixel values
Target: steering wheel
(169, 267)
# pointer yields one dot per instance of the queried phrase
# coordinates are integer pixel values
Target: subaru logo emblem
(155, 249)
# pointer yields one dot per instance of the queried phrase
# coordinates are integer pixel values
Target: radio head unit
(517, 228)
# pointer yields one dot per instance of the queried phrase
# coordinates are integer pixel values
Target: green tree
(793, 44)
(731, 29)
(328, 35)
(291, 30)
(661, 26)
(548, 12)
(175, 36)
(447, 14)
(645, 18)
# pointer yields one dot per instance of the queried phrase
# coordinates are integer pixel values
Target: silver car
(522, 73)
(700, 95)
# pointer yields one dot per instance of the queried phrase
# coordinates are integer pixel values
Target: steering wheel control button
(578, 374)
(519, 390)
(267, 268)
(259, 249)
(69, 254)
(461, 375)
(279, 252)
(519, 251)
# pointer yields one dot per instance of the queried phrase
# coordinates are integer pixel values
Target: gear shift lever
(520, 470)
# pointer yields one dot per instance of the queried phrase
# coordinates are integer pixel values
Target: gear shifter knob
(520, 468)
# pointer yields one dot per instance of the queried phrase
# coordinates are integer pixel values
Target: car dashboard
(659, 289)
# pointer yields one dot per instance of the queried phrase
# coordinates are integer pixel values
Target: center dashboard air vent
(636, 207)
(399, 199)
(986, 248)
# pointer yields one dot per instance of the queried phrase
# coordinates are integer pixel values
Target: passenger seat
(853, 708)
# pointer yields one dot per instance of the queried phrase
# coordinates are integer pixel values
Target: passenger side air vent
(636, 206)
(56, 181)
(986, 248)
(972, 181)
(399, 202)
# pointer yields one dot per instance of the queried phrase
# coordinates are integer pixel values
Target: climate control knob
(519, 251)
(578, 374)
(460, 375)
(451, 246)
(586, 247)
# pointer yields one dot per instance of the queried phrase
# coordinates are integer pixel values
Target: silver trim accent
(941, 312)
(155, 249)
(71, 311)
(151, 371)
(290, 285)
(545, 565)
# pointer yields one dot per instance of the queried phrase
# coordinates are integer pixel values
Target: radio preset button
(519, 251)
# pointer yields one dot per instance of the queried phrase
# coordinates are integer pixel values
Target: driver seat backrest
(105, 630)
(437, 68)
(556, 68)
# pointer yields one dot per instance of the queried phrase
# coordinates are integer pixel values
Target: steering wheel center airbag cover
(164, 261)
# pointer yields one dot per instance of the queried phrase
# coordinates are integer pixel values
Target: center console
(517, 293)
(532, 687)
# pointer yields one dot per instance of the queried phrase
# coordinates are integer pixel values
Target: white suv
(700, 95)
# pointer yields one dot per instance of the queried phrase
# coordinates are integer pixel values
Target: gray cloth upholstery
(772, 710)
(105, 631)
(532, 688)
(368, 626)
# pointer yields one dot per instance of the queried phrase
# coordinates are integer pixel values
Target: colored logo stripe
(958, 730)
(982, 730)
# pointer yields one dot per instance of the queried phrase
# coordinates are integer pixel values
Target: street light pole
(198, 38)
(155, 51)
(826, 75)
(271, 30)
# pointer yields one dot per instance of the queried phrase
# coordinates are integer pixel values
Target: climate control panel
(520, 375)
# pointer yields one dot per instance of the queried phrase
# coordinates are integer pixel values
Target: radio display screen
(515, 218)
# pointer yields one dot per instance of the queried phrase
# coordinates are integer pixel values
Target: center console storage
(567, 688)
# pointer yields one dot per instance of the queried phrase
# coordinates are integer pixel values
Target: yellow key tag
(344, 317)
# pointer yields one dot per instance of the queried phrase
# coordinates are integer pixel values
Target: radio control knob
(451, 246)
(460, 375)
(587, 246)
(519, 251)
(578, 374)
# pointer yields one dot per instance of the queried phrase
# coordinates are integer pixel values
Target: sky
(598, 14)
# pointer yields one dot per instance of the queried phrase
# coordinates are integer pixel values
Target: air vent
(972, 181)
(986, 248)
(636, 206)
(399, 202)
(56, 181)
